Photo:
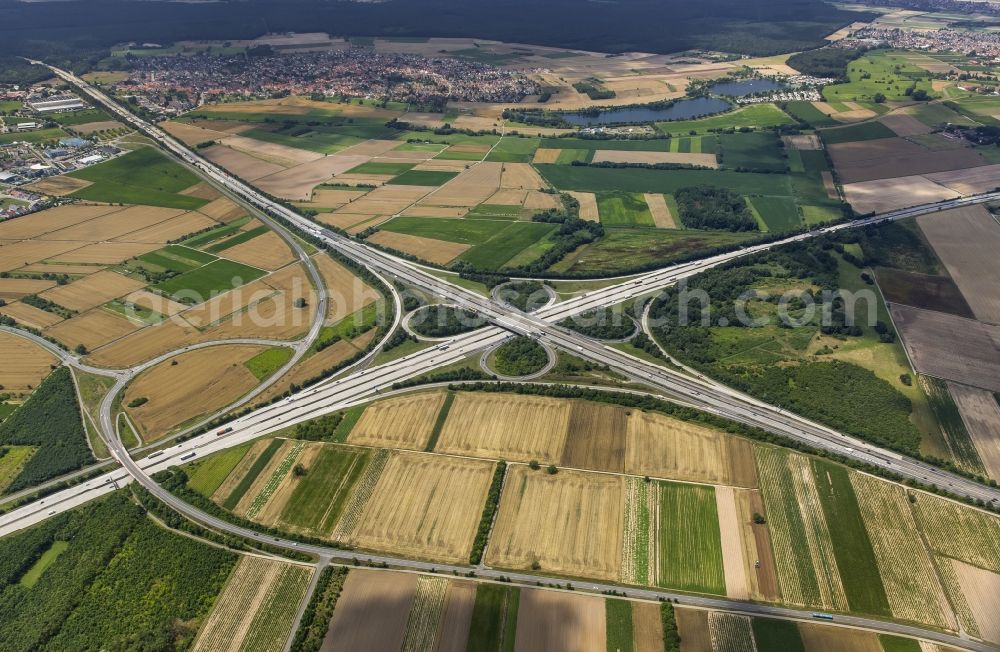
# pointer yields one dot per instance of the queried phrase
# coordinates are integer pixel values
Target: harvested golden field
(425, 506)
(966, 240)
(535, 200)
(52, 219)
(202, 381)
(958, 531)
(15, 288)
(664, 447)
(907, 572)
(569, 523)
(950, 347)
(544, 155)
(647, 627)
(242, 165)
(267, 251)
(108, 227)
(89, 128)
(372, 147)
(737, 582)
(347, 292)
(662, 217)
(335, 197)
(30, 315)
(824, 638)
(223, 305)
(403, 422)
(171, 229)
(155, 302)
(256, 608)
(92, 290)
(891, 194)
(595, 437)
(981, 590)
(345, 220)
(588, 205)
(470, 188)
(443, 165)
(104, 253)
(297, 183)
(312, 366)
(190, 134)
(692, 625)
(23, 253)
(429, 249)
(59, 268)
(372, 611)
(887, 158)
(553, 620)
(981, 415)
(521, 176)
(969, 181)
(281, 154)
(59, 186)
(202, 190)
(506, 426)
(145, 344)
(829, 184)
(25, 364)
(93, 328)
(222, 209)
(653, 158)
(362, 179)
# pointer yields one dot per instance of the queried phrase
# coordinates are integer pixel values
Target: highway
(361, 386)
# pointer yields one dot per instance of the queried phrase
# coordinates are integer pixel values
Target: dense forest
(61, 30)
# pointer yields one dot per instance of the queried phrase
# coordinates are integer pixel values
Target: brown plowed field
(967, 241)
(202, 381)
(190, 134)
(429, 249)
(512, 427)
(692, 625)
(969, 181)
(457, 617)
(647, 627)
(60, 186)
(981, 415)
(823, 638)
(242, 165)
(757, 546)
(949, 347)
(552, 620)
(403, 422)
(596, 437)
(425, 506)
(570, 523)
(890, 194)
(280, 154)
(887, 158)
(92, 290)
(297, 183)
(371, 612)
(25, 364)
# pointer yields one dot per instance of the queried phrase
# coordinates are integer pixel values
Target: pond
(743, 87)
(679, 110)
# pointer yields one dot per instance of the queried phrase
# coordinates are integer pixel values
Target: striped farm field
(911, 586)
(403, 422)
(960, 532)
(494, 618)
(425, 506)
(319, 497)
(797, 576)
(238, 482)
(256, 608)
(569, 523)
(359, 498)
(274, 479)
(423, 629)
(688, 544)
(638, 523)
(730, 632)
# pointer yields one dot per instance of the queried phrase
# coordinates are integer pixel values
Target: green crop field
(597, 179)
(73, 118)
(892, 643)
(688, 545)
(267, 362)
(854, 133)
(459, 155)
(216, 234)
(753, 116)
(373, 167)
(630, 145)
(856, 561)
(933, 115)
(465, 231)
(258, 465)
(214, 278)
(506, 244)
(623, 209)
(34, 137)
(809, 114)
(207, 475)
(143, 176)
(239, 238)
(494, 618)
(320, 495)
(778, 213)
(423, 178)
(514, 150)
(173, 258)
(506, 211)
(774, 634)
(618, 616)
(314, 141)
(758, 151)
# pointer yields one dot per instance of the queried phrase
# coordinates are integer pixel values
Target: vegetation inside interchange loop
(520, 356)
(444, 321)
